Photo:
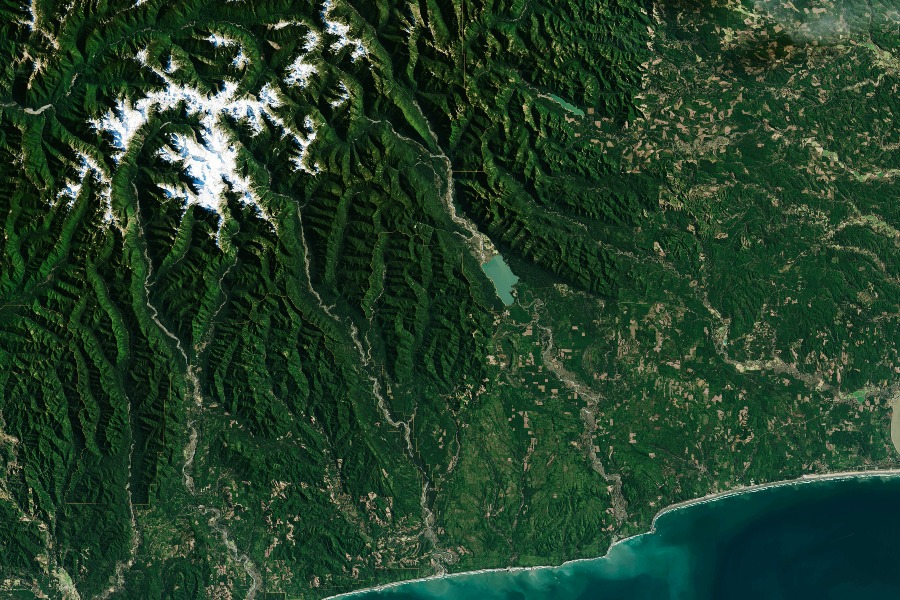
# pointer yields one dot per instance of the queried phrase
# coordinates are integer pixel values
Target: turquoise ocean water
(832, 539)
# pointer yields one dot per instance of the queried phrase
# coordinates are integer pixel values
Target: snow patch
(220, 41)
(212, 165)
(303, 142)
(240, 60)
(282, 24)
(72, 189)
(172, 191)
(312, 41)
(210, 157)
(31, 24)
(345, 95)
(123, 122)
(269, 96)
(341, 31)
(88, 167)
(300, 72)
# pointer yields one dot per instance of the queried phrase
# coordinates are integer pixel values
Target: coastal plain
(810, 538)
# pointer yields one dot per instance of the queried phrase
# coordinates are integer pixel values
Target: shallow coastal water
(819, 539)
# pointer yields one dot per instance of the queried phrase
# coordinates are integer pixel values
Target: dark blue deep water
(834, 539)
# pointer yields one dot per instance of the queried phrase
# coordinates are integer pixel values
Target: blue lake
(827, 539)
(502, 277)
(567, 105)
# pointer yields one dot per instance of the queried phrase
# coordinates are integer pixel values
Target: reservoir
(566, 105)
(502, 277)
(817, 539)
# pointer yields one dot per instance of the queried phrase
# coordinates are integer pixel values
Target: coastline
(746, 489)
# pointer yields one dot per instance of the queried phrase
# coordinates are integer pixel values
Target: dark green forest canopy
(247, 348)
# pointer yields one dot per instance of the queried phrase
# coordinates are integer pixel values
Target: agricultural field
(247, 345)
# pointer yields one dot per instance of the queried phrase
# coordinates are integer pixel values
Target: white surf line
(802, 480)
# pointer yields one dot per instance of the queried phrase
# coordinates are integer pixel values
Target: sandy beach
(895, 421)
(805, 479)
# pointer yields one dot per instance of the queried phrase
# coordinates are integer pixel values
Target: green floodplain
(829, 538)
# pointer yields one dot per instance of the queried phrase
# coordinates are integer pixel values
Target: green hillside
(247, 346)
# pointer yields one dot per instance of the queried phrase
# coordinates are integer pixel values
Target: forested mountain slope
(247, 347)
